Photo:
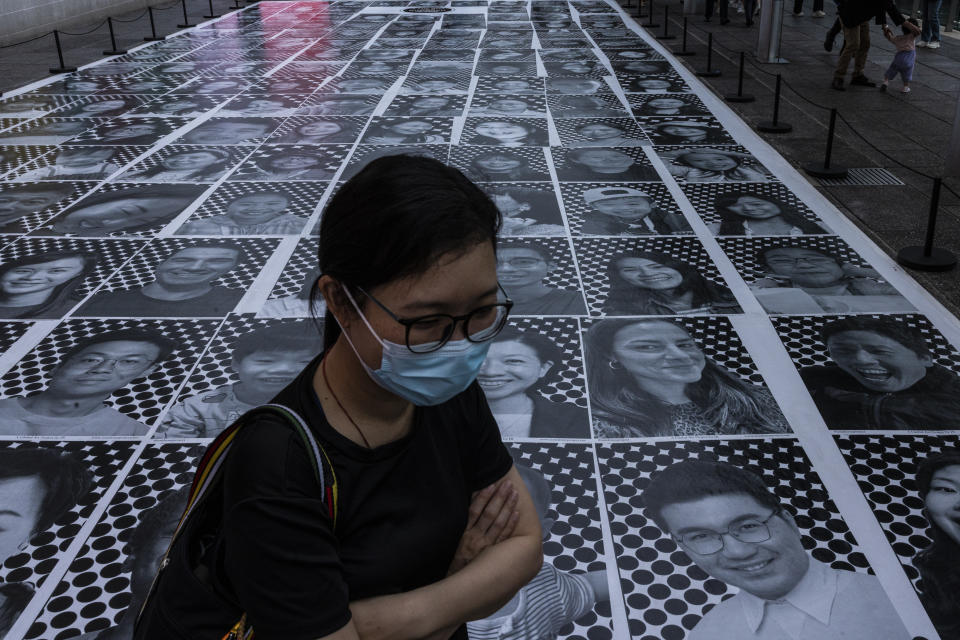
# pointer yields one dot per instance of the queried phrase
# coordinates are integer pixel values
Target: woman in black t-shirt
(435, 526)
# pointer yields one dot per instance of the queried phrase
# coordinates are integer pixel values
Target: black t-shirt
(402, 510)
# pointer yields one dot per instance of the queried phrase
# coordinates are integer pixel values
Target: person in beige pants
(856, 46)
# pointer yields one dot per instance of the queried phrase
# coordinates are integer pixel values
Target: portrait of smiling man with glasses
(735, 529)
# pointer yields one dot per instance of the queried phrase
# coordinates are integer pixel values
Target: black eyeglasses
(708, 542)
(429, 333)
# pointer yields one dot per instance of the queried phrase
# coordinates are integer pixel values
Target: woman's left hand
(493, 518)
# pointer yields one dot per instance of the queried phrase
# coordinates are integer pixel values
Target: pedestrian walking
(906, 56)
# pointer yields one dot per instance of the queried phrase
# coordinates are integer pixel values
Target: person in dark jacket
(883, 377)
(515, 371)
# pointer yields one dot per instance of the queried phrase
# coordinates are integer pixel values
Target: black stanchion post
(650, 23)
(153, 29)
(775, 126)
(113, 41)
(683, 46)
(62, 68)
(212, 14)
(739, 96)
(237, 5)
(825, 170)
(709, 72)
(928, 257)
(666, 23)
(186, 21)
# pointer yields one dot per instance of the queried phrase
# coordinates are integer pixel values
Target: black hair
(211, 172)
(164, 344)
(545, 349)
(539, 249)
(731, 223)
(185, 193)
(212, 244)
(692, 480)
(938, 564)
(61, 297)
(287, 336)
(900, 332)
(65, 479)
(64, 189)
(760, 258)
(154, 523)
(395, 219)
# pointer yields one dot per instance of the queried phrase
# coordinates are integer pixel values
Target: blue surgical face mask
(425, 379)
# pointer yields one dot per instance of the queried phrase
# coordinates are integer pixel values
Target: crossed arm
(500, 551)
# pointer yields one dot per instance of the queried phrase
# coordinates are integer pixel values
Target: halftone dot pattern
(140, 271)
(572, 135)
(153, 107)
(367, 153)
(703, 198)
(311, 104)
(577, 208)
(302, 261)
(77, 110)
(597, 70)
(135, 86)
(121, 155)
(405, 104)
(511, 84)
(885, 466)
(330, 157)
(715, 133)
(463, 158)
(10, 332)
(143, 398)
(373, 69)
(564, 275)
(668, 154)
(594, 255)
(666, 595)
(718, 340)
(506, 55)
(67, 195)
(109, 254)
(562, 107)
(575, 543)
(214, 367)
(480, 105)
(269, 125)
(627, 71)
(104, 459)
(10, 107)
(158, 127)
(743, 251)
(801, 337)
(320, 69)
(234, 155)
(564, 382)
(560, 55)
(303, 197)
(380, 127)
(639, 103)
(635, 84)
(94, 594)
(545, 210)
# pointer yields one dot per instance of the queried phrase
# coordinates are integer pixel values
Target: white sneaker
(740, 10)
(798, 14)
(933, 45)
(921, 43)
(818, 14)
(905, 90)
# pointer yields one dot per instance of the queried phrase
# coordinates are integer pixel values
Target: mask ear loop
(362, 317)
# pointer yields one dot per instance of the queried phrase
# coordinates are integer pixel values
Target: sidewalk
(913, 128)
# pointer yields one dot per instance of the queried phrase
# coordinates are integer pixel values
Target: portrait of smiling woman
(651, 378)
(750, 214)
(938, 479)
(434, 524)
(43, 285)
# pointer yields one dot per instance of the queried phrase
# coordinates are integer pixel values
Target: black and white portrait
(652, 276)
(230, 131)
(371, 86)
(576, 85)
(427, 105)
(687, 130)
(420, 130)
(505, 132)
(528, 209)
(291, 162)
(718, 507)
(713, 164)
(261, 104)
(99, 106)
(498, 105)
(365, 154)
(767, 209)
(25, 206)
(435, 86)
(674, 104)
(47, 277)
(505, 69)
(653, 377)
(99, 377)
(669, 82)
(180, 105)
(184, 163)
(520, 377)
(603, 164)
(492, 54)
(77, 163)
(540, 277)
(512, 85)
(32, 105)
(127, 130)
(251, 208)
(629, 209)
(567, 55)
(811, 274)
(496, 164)
(375, 69)
(600, 132)
(889, 372)
(318, 130)
(181, 278)
(599, 105)
(124, 210)
(47, 131)
(591, 69)
(327, 104)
